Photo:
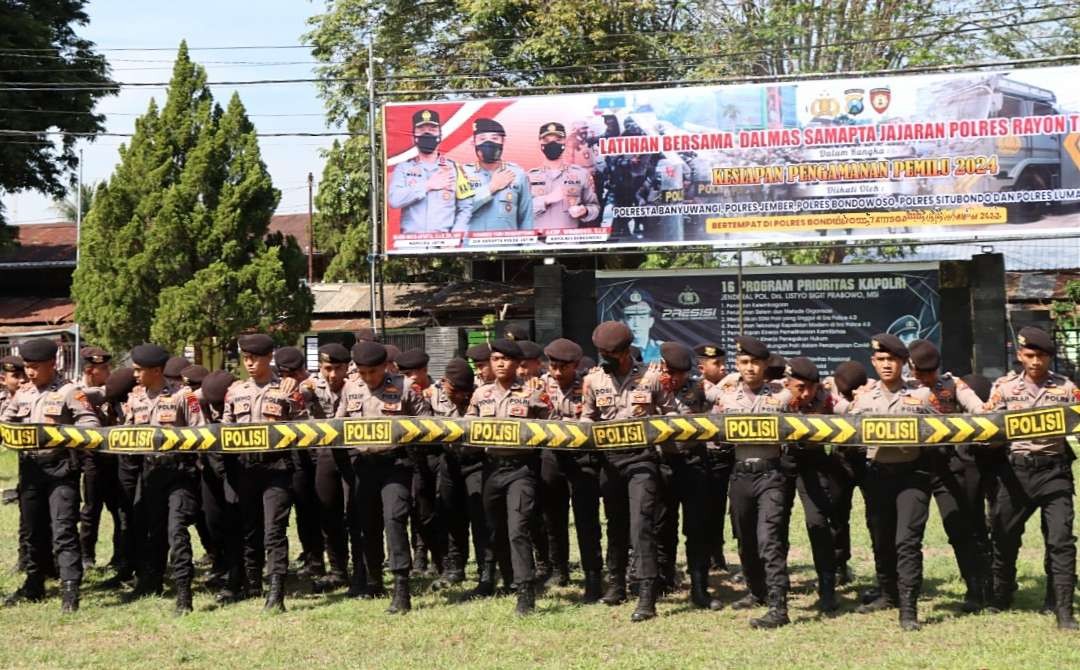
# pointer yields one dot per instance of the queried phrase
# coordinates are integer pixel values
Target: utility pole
(310, 228)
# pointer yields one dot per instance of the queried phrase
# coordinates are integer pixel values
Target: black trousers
(955, 485)
(899, 506)
(429, 532)
(171, 504)
(760, 515)
(1046, 487)
(49, 504)
(631, 493)
(218, 484)
(461, 503)
(555, 508)
(333, 479)
(851, 475)
(308, 522)
(718, 467)
(686, 484)
(381, 498)
(101, 490)
(265, 501)
(583, 476)
(132, 517)
(510, 506)
(819, 480)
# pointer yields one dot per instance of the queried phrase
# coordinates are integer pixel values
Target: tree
(40, 45)
(69, 207)
(175, 247)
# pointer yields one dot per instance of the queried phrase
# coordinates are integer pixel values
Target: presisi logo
(1039, 423)
(757, 429)
(131, 439)
(357, 432)
(689, 297)
(901, 430)
(495, 433)
(245, 438)
(18, 437)
(630, 434)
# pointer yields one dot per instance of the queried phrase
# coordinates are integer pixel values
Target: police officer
(265, 478)
(531, 366)
(480, 355)
(13, 374)
(1036, 476)
(500, 190)
(49, 479)
(98, 468)
(760, 505)
(951, 466)
(383, 476)
(219, 485)
(510, 476)
(638, 316)
(898, 484)
(687, 482)
(671, 178)
(174, 369)
(562, 193)
(113, 412)
(169, 480)
(427, 189)
(848, 377)
(623, 389)
(720, 458)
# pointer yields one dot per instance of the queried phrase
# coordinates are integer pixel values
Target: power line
(63, 133)
(60, 111)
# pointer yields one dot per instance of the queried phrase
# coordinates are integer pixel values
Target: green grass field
(334, 632)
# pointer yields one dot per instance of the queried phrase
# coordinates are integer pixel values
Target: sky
(122, 24)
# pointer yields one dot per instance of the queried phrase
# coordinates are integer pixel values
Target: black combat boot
(526, 598)
(69, 596)
(485, 587)
(254, 586)
(183, 598)
(145, 586)
(827, 593)
(886, 600)
(616, 589)
(1063, 601)
(909, 609)
(594, 587)
(777, 615)
(402, 601)
(974, 597)
(32, 591)
(699, 592)
(358, 585)
(646, 605)
(843, 575)
(331, 582)
(275, 595)
(560, 576)
(747, 602)
(375, 584)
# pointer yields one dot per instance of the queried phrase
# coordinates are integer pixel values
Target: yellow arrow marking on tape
(453, 431)
(688, 429)
(171, 438)
(823, 429)
(558, 436)
(288, 435)
(75, 438)
(666, 431)
(96, 438)
(577, 436)
(411, 430)
(538, 434)
(208, 439)
(434, 430)
(309, 434)
(801, 429)
(846, 430)
(940, 429)
(190, 438)
(710, 427)
(964, 429)
(329, 434)
(989, 429)
(1076, 408)
(55, 436)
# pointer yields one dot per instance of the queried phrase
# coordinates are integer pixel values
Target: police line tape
(380, 434)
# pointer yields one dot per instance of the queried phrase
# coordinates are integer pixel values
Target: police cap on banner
(553, 128)
(487, 126)
(638, 301)
(460, 375)
(412, 359)
(369, 353)
(1031, 337)
(289, 359)
(37, 350)
(563, 350)
(150, 356)
(612, 336)
(335, 352)
(479, 352)
(889, 344)
(508, 348)
(530, 350)
(924, 356)
(803, 369)
(751, 346)
(425, 116)
(677, 356)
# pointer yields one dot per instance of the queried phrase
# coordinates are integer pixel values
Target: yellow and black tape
(390, 432)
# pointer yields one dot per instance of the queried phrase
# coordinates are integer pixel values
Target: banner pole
(373, 254)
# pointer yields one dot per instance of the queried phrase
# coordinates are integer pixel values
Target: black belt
(757, 465)
(1034, 461)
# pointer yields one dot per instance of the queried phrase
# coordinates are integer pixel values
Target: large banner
(827, 313)
(933, 156)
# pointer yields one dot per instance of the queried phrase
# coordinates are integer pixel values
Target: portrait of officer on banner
(637, 314)
(500, 189)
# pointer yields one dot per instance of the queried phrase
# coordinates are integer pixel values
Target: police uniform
(672, 177)
(424, 211)
(719, 460)
(629, 480)
(848, 376)
(99, 473)
(126, 543)
(1036, 476)
(509, 208)
(49, 479)
(576, 184)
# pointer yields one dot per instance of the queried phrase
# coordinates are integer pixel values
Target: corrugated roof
(1038, 285)
(353, 325)
(33, 310)
(421, 298)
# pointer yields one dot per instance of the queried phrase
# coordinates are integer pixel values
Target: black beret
(516, 331)
(194, 374)
(119, 384)
(553, 128)
(586, 363)
(12, 364)
(487, 126)
(258, 344)
(289, 359)
(215, 385)
(479, 352)
(365, 334)
(890, 344)
(425, 116)
(924, 355)
(174, 367)
(150, 356)
(612, 336)
(368, 353)
(333, 353)
(508, 348)
(460, 375)
(37, 350)
(979, 384)
(709, 350)
(775, 367)
(413, 359)
(1031, 337)
(849, 376)
(563, 350)
(392, 352)
(803, 368)
(751, 346)
(678, 356)
(94, 355)
(530, 350)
